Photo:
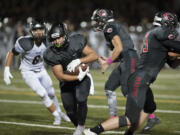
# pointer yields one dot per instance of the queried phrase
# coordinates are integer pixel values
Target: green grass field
(22, 113)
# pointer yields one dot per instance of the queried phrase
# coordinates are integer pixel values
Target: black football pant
(74, 98)
(119, 75)
(140, 96)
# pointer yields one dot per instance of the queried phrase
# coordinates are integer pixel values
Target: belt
(36, 71)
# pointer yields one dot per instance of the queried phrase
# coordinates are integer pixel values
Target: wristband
(109, 60)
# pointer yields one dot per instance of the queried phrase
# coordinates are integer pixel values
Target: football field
(22, 112)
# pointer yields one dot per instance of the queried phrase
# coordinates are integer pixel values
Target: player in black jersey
(66, 53)
(122, 47)
(140, 101)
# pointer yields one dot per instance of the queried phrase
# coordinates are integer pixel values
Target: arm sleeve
(165, 34)
(81, 43)
(172, 44)
(110, 32)
(173, 62)
(15, 52)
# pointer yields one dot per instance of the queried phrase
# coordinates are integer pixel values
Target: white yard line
(56, 127)
(100, 84)
(49, 126)
(97, 92)
(90, 106)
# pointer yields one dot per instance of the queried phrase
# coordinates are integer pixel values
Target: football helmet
(157, 19)
(100, 18)
(58, 30)
(35, 25)
(169, 20)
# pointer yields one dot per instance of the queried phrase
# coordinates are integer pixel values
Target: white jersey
(32, 55)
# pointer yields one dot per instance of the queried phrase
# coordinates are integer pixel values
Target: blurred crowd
(9, 32)
(135, 15)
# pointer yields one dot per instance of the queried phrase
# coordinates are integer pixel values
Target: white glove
(73, 64)
(82, 74)
(7, 76)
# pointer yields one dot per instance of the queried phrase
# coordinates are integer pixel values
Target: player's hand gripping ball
(76, 72)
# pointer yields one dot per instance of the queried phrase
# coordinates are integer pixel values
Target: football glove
(82, 74)
(7, 76)
(73, 64)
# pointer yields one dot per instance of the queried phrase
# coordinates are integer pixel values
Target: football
(76, 72)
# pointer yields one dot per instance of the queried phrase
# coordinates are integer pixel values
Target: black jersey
(54, 56)
(114, 28)
(157, 43)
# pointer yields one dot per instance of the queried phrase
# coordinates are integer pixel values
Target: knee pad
(122, 121)
(110, 93)
(51, 92)
(46, 100)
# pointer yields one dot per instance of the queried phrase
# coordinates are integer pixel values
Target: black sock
(97, 129)
(128, 132)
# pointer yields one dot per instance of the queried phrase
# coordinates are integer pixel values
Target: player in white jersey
(32, 69)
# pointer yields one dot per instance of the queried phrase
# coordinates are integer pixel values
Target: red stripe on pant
(136, 86)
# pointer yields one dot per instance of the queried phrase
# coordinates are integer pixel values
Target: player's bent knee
(46, 100)
(51, 93)
(82, 102)
(41, 92)
(110, 93)
(150, 109)
(81, 99)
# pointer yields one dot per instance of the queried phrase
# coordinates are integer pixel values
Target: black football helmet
(100, 17)
(35, 25)
(58, 30)
(169, 20)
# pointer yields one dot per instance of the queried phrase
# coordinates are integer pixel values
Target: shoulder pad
(26, 43)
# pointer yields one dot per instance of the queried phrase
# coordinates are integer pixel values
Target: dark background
(130, 11)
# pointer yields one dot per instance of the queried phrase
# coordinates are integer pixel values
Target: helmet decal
(109, 30)
(102, 12)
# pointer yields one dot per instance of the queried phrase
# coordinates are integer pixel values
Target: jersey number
(145, 44)
(36, 59)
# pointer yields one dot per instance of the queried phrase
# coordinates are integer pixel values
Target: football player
(33, 70)
(140, 101)
(119, 41)
(66, 53)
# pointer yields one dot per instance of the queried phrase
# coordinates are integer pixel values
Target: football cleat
(64, 117)
(151, 123)
(128, 132)
(57, 120)
(89, 132)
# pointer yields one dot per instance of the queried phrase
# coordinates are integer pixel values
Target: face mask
(58, 45)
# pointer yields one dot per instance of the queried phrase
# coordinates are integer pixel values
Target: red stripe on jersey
(132, 65)
(145, 46)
